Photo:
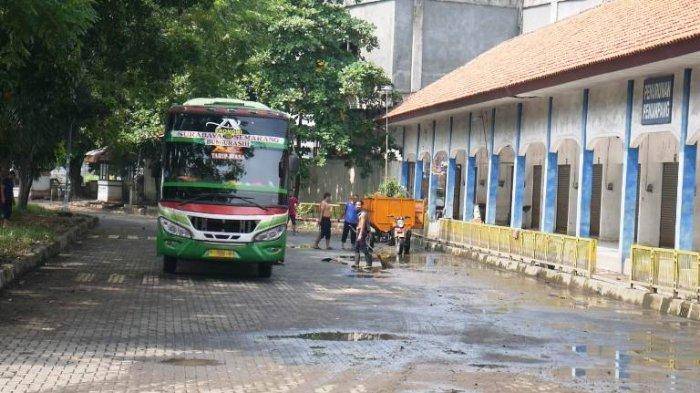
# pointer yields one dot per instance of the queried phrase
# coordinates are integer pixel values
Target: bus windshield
(217, 159)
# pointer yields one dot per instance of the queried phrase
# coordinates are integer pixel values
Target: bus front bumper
(255, 252)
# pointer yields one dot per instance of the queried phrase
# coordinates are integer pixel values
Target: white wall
(534, 125)
(568, 153)
(654, 149)
(566, 117)
(608, 152)
(534, 155)
(503, 195)
(505, 127)
(607, 107)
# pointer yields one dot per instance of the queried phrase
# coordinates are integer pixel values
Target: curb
(10, 272)
(639, 297)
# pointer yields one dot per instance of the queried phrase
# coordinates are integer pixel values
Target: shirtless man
(324, 222)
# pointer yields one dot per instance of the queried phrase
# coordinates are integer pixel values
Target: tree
(312, 69)
(40, 74)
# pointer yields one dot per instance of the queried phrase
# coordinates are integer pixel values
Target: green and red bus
(224, 184)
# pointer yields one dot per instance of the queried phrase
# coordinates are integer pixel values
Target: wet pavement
(103, 317)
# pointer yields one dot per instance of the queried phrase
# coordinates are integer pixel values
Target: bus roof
(225, 102)
(229, 105)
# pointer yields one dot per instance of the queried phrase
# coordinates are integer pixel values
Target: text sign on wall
(657, 100)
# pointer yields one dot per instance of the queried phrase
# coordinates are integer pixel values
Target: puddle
(365, 275)
(504, 358)
(486, 336)
(340, 336)
(486, 365)
(191, 362)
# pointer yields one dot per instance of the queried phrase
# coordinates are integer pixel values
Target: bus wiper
(223, 195)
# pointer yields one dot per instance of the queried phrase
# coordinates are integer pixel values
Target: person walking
(293, 202)
(350, 222)
(362, 243)
(324, 222)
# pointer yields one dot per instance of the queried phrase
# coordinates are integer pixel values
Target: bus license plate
(228, 254)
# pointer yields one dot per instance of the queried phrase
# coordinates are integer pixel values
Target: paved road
(104, 318)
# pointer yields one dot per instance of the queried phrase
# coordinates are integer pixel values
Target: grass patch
(30, 228)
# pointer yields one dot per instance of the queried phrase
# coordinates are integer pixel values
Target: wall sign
(657, 100)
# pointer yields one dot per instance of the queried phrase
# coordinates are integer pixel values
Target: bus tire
(264, 270)
(169, 264)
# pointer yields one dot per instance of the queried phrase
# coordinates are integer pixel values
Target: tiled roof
(615, 35)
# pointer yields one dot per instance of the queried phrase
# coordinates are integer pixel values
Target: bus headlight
(271, 234)
(174, 229)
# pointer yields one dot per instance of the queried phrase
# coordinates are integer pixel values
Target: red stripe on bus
(222, 209)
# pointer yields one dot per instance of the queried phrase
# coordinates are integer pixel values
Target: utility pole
(66, 194)
(387, 90)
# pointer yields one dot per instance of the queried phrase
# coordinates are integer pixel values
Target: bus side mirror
(294, 163)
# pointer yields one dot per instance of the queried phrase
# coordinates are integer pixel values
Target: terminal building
(587, 126)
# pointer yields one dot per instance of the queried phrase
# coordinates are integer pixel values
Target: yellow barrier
(578, 254)
(677, 270)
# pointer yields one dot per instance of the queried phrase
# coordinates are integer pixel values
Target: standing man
(362, 244)
(350, 222)
(293, 202)
(324, 221)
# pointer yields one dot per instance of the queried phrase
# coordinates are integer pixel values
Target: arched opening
(481, 184)
(534, 183)
(439, 172)
(567, 186)
(658, 187)
(504, 189)
(606, 188)
(459, 184)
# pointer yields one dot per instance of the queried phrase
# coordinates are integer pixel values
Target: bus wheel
(169, 264)
(264, 270)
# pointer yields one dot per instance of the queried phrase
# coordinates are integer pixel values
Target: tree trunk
(297, 177)
(25, 183)
(76, 180)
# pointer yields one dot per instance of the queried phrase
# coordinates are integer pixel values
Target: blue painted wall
(450, 187)
(432, 182)
(583, 227)
(583, 210)
(630, 180)
(469, 174)
(516, 212)
(492, 192)
(404, 174)
(518, 190)
(550, 193)
(417, 180)
(686, 185)
(470, 188)
(549, 207)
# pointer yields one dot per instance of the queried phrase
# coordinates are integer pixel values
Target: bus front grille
(223, 226)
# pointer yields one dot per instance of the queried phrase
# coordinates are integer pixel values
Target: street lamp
(387, 91)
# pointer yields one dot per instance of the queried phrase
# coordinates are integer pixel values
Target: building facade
(422, 40)
(588, 127)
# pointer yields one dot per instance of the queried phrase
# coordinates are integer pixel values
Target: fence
(568, 252)
(662, 268)
(311, 211)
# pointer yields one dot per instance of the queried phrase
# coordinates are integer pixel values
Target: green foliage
(392, 188)
(106, 71)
